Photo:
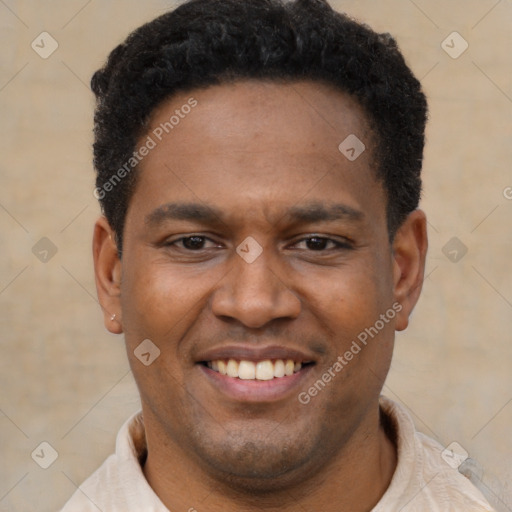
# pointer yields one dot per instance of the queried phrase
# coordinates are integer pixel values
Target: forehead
(258, 143)
(312, 114)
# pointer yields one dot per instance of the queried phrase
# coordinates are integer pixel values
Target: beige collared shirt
(423, 481)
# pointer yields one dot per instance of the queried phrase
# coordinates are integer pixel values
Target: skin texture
(252, 152)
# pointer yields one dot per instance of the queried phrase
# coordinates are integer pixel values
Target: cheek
(159, 302)
(356, 308)
(347, 298)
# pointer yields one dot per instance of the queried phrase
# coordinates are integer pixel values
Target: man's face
(258, 160)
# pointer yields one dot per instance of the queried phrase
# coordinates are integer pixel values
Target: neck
(354, 480)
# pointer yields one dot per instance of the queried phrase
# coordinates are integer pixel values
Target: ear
(409, 253)
(107, 271)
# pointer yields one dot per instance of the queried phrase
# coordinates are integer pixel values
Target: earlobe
(409, 253)
(107, 271)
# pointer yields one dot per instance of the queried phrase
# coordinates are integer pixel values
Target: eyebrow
(317, 212)
(184, 211)
(307, 214)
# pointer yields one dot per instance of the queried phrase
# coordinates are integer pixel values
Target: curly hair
(207, 42)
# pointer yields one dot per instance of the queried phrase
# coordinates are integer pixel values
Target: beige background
(66, 381)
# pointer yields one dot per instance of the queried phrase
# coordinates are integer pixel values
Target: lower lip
(256, 390)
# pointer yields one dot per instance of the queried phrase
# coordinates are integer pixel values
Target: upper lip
(252, 353)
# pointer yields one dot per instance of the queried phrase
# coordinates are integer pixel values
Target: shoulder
(91, 496)
(426, 478)
(119, 484)
(444, 482)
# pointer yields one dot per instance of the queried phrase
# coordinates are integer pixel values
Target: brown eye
(321, 244)
(193, 243)
(316, 243)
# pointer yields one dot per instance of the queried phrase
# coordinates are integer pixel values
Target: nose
(255, 293)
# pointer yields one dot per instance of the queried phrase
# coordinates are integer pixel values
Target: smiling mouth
(266, 369)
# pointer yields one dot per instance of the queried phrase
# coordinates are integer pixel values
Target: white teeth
(232, 368)
(264, 370)
(246, 370)
(279, 368)
(249, 370)
(289, 367)
(222, 366)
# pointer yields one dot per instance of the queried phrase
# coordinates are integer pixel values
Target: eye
(193, 243)
(320, 243)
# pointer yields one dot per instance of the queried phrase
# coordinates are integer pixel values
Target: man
(258, 165)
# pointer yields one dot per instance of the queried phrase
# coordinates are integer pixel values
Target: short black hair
(207, 42)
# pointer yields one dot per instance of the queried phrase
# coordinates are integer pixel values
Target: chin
(259, 464)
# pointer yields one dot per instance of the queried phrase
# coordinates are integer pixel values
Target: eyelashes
(311, 243)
